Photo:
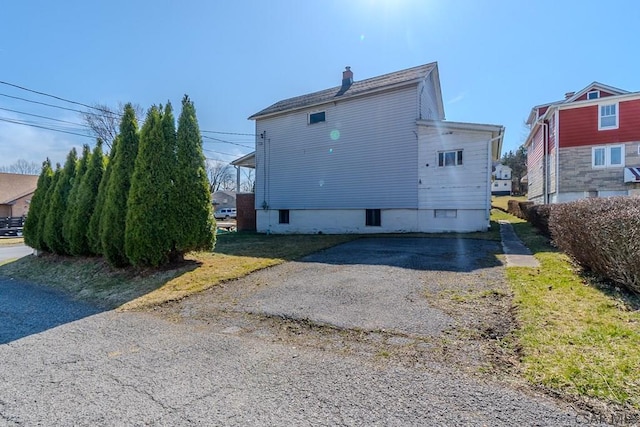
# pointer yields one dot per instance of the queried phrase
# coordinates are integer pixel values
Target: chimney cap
(569, 95)
(347, 68)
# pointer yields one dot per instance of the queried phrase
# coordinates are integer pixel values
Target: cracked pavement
(244, 354)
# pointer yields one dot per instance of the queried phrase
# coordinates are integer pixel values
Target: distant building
(16, 191)
(501, 185)
(224, 199)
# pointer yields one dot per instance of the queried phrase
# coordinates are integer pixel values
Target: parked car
(225, 213)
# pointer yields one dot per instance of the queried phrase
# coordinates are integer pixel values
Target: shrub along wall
(602, 235)
(538, 216)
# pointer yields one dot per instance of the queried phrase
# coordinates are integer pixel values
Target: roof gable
(14, 186)
(595, 86)
(357, 88)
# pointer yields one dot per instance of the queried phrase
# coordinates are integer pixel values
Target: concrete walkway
(517, 254)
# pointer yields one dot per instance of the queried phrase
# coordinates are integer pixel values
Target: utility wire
(226, 142)
(43, 127)
(58, 98)
(42, 117)
(228, 133)
(48, 105)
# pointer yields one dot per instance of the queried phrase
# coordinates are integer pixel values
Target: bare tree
(22, 167)
(220, 176)
(248, 184)
(104, 121)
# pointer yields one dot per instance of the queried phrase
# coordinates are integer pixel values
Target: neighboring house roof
(246, 161)
(14, 186)
(357, 88)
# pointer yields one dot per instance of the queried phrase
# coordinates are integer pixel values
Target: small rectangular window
(608, 117)
(616, 156)
(445, 213)
(372, 218)
(317, 117)
(450, 158)
(283, 215)
(593, 94)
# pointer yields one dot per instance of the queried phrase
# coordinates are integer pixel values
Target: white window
(608, 117)
(593, 94)
(450, 158)
(610, 156)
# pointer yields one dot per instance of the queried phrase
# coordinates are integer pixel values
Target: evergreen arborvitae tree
(93, 232)
(192, 198)
(114, 215)
(53, 235)
(46, 208)
(37, 208)
(68, 224)
(149, 236)
(85, 203)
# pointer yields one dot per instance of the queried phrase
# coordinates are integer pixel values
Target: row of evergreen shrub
(147, 204)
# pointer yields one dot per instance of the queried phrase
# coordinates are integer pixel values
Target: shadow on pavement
(455, 254)
(27, 309)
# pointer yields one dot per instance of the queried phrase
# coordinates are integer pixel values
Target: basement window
(445, 213)
(373, 218)
(450, 158)
(318, 117)
(283, 216)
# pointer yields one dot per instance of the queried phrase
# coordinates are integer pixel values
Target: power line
(228, 133)
(42, 117)
(2, 119)
(219, 152)
(58, 98)
(227, 142)
(48, 105)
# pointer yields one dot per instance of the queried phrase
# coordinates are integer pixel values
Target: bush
(515, 208)
(538, 216)
(602, 235)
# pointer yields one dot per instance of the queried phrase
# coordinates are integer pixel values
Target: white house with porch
(372, 156)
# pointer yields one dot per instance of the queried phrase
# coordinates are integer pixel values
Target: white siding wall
(363, 156)
(465, 187)
(428, 106)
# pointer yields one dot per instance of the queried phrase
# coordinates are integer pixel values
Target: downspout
(545, 160)
(489, 165)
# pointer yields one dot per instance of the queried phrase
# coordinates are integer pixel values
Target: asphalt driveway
(297, 344)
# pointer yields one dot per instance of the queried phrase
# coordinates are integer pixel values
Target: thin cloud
(458, 98)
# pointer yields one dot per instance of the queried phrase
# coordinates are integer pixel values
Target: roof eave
(341, 98)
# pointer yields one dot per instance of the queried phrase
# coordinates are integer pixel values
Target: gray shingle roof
(357, 88)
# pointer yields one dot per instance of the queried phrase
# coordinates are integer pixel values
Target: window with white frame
(593, 94)
(450, 158)
(608, 117)
(610, 156)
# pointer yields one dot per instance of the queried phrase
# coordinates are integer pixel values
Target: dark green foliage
(149, 235)
(93, 233)
(192, 198)
(46, 208)
(68, 224)
(53, 234)
(85, 203)
(37, 208)
(518, 163)
(114, 213)
(602, 235)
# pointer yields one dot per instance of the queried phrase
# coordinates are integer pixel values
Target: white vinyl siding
(463, 187)
(362, 156)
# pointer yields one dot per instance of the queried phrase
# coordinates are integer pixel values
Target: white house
(372, 156)
(501, 185)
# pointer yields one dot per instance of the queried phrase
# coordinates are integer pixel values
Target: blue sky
(497, 59)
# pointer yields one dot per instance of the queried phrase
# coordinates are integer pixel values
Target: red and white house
(587, 145)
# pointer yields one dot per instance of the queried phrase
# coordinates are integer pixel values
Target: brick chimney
(347, 77)
(569, 95)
